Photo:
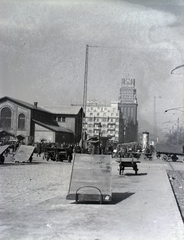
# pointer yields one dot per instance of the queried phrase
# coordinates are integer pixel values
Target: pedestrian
(39, 149)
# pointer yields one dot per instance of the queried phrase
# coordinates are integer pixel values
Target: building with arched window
(5, 118)
(21, 121)
(35, 123)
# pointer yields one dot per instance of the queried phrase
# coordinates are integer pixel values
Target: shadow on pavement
(119, 197)
(21, 163)
(133, 174)
(116, 198)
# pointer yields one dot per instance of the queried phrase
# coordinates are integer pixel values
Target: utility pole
(178, 124)
(154, 118)
(178, 134)
(84, 95)
(85, 80)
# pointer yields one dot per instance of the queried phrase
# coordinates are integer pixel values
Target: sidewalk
(151, 209)
(34, 206)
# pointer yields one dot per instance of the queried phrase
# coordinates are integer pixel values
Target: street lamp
(172, 109)
(177, 68)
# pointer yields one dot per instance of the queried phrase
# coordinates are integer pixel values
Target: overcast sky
(43, 44)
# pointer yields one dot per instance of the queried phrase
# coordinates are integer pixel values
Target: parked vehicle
(58, 154)
(167, 152)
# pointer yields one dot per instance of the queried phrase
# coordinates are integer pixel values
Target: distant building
(34, 123)
(128, 106)
(104, 119)
(69, 117)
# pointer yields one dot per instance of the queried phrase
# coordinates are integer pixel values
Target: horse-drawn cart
(167, 152)
(24, 154)
(127, 162)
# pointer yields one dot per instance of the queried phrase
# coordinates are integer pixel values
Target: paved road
(33, 205)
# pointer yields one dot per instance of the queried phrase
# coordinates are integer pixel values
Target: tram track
(178, 175)
(176, 178)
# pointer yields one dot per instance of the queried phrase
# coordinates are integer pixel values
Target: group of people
(125, 150)
(42, 147)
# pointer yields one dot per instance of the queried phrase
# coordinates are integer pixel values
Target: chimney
(35, 104)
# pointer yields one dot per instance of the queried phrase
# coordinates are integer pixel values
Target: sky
(43, 47)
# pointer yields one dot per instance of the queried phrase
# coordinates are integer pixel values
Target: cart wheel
(165, 158)
(174, 158)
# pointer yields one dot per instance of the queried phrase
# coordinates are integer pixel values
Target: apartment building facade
(104, 120)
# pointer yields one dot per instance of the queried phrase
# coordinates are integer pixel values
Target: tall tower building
(128, 106)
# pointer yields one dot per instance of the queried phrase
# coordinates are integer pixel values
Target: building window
(5, 118)
(63, 119)
(21, 121)
(59, 119)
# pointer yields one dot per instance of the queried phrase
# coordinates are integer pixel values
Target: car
(58, 154)
(64, 154)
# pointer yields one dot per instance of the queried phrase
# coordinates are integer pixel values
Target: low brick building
(69, 117)
(35, 123)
